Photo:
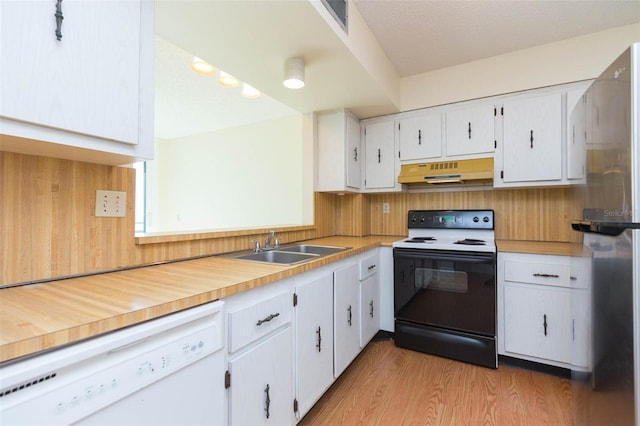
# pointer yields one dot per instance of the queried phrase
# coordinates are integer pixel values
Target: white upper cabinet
(541, 138)
(381, 170)
(470, 130)
(533, 139)
(421, 137)
(339, 152)
(577, 142)
(91, 89)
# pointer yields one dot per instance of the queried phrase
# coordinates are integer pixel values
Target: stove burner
(419, 239)
(471, 242)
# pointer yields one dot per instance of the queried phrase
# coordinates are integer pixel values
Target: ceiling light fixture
(202, 67)
(294, 73)
(227, 80)
(249, 92)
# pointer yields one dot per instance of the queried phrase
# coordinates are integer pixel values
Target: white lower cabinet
(260, 367)
(313, 340)
(346, 287)
(289, 340)
(261, 389)
(544, 309)
(369, 298)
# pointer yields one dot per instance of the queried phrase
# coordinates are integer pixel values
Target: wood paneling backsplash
(532, 214)
(48, 228)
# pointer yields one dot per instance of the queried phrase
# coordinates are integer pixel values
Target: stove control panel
(450, 219)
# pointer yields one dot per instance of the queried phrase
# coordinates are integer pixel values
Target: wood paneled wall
(532, 214)
(48, 228)
(47, 223)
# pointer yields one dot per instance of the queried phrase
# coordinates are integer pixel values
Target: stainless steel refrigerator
(610, 118)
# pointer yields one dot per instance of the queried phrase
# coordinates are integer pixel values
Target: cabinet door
(87, 82)
(314, 340)
(470, 131)
(339, 153)
(261, 389)
(354, 155)
(577, 143)
(538, 322)
(532, 146)
(581, 328)
(369, 308)
(421, 137)
(380, 155)
(346, 317)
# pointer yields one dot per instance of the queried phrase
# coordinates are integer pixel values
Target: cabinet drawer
(254, 321)
(369, 266)
(574, 274)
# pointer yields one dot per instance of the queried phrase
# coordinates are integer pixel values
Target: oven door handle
(471, 257)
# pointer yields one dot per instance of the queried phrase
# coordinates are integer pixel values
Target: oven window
(443, 279)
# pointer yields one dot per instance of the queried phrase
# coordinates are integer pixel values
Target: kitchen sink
(282, 257)
(308, 248)
(292, 254)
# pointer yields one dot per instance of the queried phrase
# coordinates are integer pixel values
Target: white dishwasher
(166, 371)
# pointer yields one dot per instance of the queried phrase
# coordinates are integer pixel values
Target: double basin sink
(292, 254)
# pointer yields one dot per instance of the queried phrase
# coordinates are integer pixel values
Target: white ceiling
(187, 103)
(252, 38)
(425, 35)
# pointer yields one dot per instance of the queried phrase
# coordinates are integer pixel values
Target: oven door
(454, 290)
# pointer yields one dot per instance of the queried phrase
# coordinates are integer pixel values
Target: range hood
(478, 170)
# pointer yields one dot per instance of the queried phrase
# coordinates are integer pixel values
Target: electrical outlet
(385, 207)
(111, 203)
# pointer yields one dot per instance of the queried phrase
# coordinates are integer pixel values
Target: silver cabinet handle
(349, 320)
(267, 401)
(547, 275)
(267, 319)
(59, 18)
(371, 309)
(319, 344)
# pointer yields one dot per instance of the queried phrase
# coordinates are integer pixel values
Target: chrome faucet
(267, 243)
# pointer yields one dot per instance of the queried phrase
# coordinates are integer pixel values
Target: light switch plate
(111, 203)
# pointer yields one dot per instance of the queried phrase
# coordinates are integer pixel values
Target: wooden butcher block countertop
(48, 315)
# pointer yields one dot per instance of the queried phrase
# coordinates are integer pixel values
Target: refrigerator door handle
(602, 227)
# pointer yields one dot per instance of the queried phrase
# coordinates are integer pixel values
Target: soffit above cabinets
(440, 34)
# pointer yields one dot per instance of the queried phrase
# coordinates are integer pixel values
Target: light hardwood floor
(387, 385)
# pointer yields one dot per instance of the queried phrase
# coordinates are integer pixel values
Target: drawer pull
(370, 267)
(267, 319)
(267, 400)
(547, 275)
(544, 323)
(319, 344)
(371, 309)
(573, 278)
(349, 320)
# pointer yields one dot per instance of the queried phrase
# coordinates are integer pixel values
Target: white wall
(570, 60)
(249, 176)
